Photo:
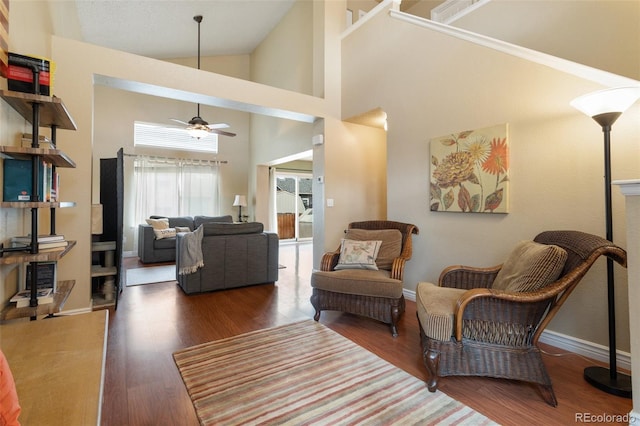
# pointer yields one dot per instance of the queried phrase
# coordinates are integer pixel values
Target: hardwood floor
(143, 386)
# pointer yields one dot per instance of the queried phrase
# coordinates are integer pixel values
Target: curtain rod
(156, 157)
(291, 170)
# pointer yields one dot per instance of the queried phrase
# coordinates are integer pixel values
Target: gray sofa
(153, 250)
(234, 254)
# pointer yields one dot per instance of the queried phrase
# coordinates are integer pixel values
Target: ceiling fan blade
(222, 132)
(179, 121)
(218, 126)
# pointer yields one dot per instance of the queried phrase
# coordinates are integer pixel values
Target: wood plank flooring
(143, 386)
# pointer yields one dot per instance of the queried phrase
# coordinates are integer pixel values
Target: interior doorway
(294, 205)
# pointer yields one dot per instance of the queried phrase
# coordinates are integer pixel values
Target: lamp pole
(605, 106)
(609, 380)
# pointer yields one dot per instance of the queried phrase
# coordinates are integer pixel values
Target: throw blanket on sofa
(191, 251)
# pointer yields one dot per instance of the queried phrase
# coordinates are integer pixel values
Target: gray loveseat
(234, 255)
(154, 250)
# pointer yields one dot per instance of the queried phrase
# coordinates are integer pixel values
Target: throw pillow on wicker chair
(530, 267)
(390, 248)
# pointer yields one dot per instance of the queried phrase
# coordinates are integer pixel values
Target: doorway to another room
(294, 205)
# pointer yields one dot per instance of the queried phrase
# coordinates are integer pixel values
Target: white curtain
(175, 187)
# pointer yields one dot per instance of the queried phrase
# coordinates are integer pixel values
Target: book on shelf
(42, 247)
(46, 246)
(22, 298)
(46, 275)
(45, 238)
(16, 185)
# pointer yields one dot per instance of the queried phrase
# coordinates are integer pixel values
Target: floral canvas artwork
(470, 171)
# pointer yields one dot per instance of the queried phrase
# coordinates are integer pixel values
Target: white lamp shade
(240, 201)
(618, 99)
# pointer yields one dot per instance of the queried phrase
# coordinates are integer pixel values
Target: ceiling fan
(197, 127)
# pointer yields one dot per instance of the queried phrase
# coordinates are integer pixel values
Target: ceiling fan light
(198, 131)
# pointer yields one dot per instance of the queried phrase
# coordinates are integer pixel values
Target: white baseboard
(572, 344)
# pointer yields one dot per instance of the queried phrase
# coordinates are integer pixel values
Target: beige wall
(284, 58)
(603, 34)
(449, 85)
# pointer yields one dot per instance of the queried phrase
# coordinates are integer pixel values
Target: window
(175, 187)
(160, 136)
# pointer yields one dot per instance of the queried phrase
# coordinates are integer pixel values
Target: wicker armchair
(376, 294)
(495, 333)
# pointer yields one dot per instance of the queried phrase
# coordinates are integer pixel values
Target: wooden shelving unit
(40, 111)
(106, 270)
(53, 113)
(43, 256)
(53, 156)
(60, 297)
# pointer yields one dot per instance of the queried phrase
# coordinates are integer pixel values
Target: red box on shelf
(20, 74)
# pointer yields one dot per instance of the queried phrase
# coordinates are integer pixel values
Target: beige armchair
(374, 293)
(487, 321)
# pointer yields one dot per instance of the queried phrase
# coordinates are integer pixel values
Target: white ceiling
(166, 29)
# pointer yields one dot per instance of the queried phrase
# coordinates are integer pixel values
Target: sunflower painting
(470, 171)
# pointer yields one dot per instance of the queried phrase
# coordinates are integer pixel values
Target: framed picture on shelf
(46, 275)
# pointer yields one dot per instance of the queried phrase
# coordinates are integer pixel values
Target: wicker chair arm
(397, 268)
(468, 277)
(501, 310)
(329, 261)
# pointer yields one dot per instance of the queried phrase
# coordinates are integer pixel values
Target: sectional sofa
(152, 249)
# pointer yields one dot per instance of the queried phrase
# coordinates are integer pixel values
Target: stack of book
(22, 298)
(45, 242)
(43, 141)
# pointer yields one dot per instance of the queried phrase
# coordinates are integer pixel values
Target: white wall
(449, 85)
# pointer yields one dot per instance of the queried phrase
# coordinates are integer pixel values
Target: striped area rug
(306, 374)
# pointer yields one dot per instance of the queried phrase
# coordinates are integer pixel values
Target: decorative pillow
(182, 229)
(391, 243)
(358, 254)
(9, 404)
(530, 267)
(164, 233)
(158, 223)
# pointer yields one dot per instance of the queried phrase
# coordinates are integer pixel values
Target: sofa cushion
(355, 254)
(435, 307)
(391, 243)
(199, 220)
(365, 282)
(164, 244)
(158, 223)
(219, 228)
(530, 267)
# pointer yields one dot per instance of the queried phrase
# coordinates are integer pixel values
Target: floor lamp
(605, 106)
